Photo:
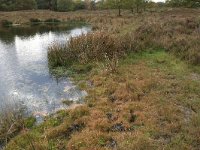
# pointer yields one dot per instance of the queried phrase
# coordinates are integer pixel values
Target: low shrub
(6, 23)
(35, 21)
(52, 20)
(180, 37)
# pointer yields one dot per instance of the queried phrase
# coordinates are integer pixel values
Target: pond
(24, 74)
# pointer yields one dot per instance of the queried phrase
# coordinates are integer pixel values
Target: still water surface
(24, 72)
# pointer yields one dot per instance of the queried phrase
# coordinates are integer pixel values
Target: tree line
(56, 5)
(183, 3)
(71, 5)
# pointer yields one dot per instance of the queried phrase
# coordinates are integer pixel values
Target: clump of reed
(91, 47)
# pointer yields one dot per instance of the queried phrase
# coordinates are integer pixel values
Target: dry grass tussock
(87, 48)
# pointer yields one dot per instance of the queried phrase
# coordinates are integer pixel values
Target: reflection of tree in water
(8, 34)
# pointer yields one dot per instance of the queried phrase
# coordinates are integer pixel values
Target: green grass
(163, 60)
(30, 122)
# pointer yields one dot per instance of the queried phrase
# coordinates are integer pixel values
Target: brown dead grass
(158, 117)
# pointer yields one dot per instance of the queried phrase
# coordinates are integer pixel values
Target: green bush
(52, 20)
(35, 21)
(6, 23)
(65, 5)
(25, 4)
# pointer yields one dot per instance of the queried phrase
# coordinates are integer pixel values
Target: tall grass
(91, 47)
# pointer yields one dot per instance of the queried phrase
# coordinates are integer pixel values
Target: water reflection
(8, 34)
(24, 73)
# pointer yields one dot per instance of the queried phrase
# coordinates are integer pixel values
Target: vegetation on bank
(6, 23)
(178, 36)
(141, 73)
(140, 94)
(151, 102)
(89, 48)
(13, 119)
(43, 23)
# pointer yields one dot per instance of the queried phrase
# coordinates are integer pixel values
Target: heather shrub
(180, 37)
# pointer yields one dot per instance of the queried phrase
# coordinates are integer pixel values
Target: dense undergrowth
(141, 73)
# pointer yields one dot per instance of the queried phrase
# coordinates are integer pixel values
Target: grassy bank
(142, 75)
(151, 102)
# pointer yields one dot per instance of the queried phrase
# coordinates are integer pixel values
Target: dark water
(24, 72)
